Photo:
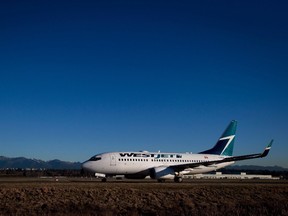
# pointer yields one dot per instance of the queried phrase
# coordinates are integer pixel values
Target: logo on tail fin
(225, 144)
(228, 149)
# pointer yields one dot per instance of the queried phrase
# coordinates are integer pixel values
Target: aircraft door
(112, 160)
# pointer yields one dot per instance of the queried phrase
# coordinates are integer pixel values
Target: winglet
(267, 149)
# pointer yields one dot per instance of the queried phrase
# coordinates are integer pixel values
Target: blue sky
(82, 77)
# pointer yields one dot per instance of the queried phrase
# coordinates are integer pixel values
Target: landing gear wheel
(104, 180)
(161, 180)
(178, 179)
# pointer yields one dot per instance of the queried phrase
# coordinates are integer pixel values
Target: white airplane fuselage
(142, 163)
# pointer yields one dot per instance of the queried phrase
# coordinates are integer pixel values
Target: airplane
(163, 166)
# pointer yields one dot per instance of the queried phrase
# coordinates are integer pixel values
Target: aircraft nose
(87, 166)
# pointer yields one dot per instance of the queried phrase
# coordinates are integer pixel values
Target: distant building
(219, 175)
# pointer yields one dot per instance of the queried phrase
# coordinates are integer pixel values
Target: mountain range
(26, 163)
(254, 167)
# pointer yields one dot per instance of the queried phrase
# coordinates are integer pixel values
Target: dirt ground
(193, 197)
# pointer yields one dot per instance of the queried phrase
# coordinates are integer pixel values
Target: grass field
(82, 196)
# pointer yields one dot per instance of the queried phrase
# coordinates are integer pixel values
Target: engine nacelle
(162, 172)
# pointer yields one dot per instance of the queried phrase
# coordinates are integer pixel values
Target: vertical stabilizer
(225, 144)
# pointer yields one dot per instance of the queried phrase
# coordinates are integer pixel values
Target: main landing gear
(178, 179)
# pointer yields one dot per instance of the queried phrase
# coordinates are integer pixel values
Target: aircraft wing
(181, 167)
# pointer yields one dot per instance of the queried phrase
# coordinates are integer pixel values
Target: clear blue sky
(83, 77)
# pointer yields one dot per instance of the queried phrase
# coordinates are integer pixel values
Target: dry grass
(84, 197)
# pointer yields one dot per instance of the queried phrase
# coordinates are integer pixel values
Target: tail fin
(225, 144)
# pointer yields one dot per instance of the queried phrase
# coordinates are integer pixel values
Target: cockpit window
(95, 158)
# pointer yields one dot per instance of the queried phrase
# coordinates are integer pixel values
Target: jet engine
(162, 172)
